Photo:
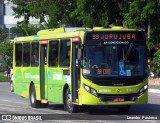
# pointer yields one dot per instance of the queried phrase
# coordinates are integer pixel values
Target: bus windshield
(114, 60)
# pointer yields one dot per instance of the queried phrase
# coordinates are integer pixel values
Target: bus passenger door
(43, 63)
(75, 71)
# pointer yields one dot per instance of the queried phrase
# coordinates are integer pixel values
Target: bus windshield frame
(110, 56)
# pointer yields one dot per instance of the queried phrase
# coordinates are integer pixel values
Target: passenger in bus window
(34, 60)
(66, 60)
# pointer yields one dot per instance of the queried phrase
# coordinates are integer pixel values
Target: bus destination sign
(111, 36)
(114, 37)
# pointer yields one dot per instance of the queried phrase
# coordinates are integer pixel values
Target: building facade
(1, 14)
(7, 20)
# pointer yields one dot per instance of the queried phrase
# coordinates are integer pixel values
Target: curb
(154, 91)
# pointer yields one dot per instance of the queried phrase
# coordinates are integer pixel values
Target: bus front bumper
(113, 99)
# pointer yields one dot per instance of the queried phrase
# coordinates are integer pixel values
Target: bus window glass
(26, 54)
(113, 60)
(18, 54)
(53, 53)
(64, 53)
(35, 54)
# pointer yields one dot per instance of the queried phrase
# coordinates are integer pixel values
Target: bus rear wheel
(70, 107)
(32, 96)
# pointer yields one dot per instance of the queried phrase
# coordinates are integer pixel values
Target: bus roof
(67, 32)
(61, 30)
(26, 38)
(75, 29)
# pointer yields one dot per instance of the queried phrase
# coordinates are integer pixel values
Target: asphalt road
(13, 104)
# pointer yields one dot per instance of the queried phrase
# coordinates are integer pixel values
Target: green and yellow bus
(82, 67)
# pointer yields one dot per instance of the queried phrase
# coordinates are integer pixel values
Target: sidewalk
(154, 85)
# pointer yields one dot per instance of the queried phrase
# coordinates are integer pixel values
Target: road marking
(151, 121)
(14, 106)
(14, 102)
(28, 108)
(153, 90)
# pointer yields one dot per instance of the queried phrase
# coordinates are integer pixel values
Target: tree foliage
(26, 29)
(97, 13)
(3, 35)
(52, 13)
(55, 13)
(6, 49)
(145, 14)
(155, 64)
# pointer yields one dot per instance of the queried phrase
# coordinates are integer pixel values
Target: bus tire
(44, 105)
(124, 109)
(70, 107)
(32, 96)
(11, 86)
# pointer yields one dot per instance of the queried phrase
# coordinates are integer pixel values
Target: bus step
(44, 101)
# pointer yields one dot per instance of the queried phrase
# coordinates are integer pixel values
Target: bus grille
(110, 98)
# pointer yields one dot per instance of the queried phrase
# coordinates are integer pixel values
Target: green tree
(55, 13)
(145, 14)
(3, 35)
(52, 13)
(26, 29)
(6, 49)
(99, 12)
(155, 64)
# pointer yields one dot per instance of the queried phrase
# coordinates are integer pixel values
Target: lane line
(14, 102)
(12, 106)
(153, 121)
(42, 111)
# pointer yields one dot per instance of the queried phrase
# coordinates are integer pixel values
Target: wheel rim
(32, 98)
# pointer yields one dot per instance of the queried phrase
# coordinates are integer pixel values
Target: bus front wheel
(32, 96)
(70, 107)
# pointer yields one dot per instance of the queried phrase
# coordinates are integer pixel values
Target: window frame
(15, 55)
(38, 54)
(60, 50)
(23, 49)
(57, 50)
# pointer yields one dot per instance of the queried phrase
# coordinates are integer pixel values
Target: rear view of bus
(114, 69)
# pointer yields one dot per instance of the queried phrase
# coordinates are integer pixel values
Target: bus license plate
(118, 100)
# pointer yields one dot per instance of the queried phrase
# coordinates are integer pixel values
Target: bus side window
(26, 54)
(18, 54)
(53, 53)
(35, 54)
(64, 53)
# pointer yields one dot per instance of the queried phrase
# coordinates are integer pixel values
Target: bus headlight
(90, 90)
(143, 89)
(93, 91)
(86, 88)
